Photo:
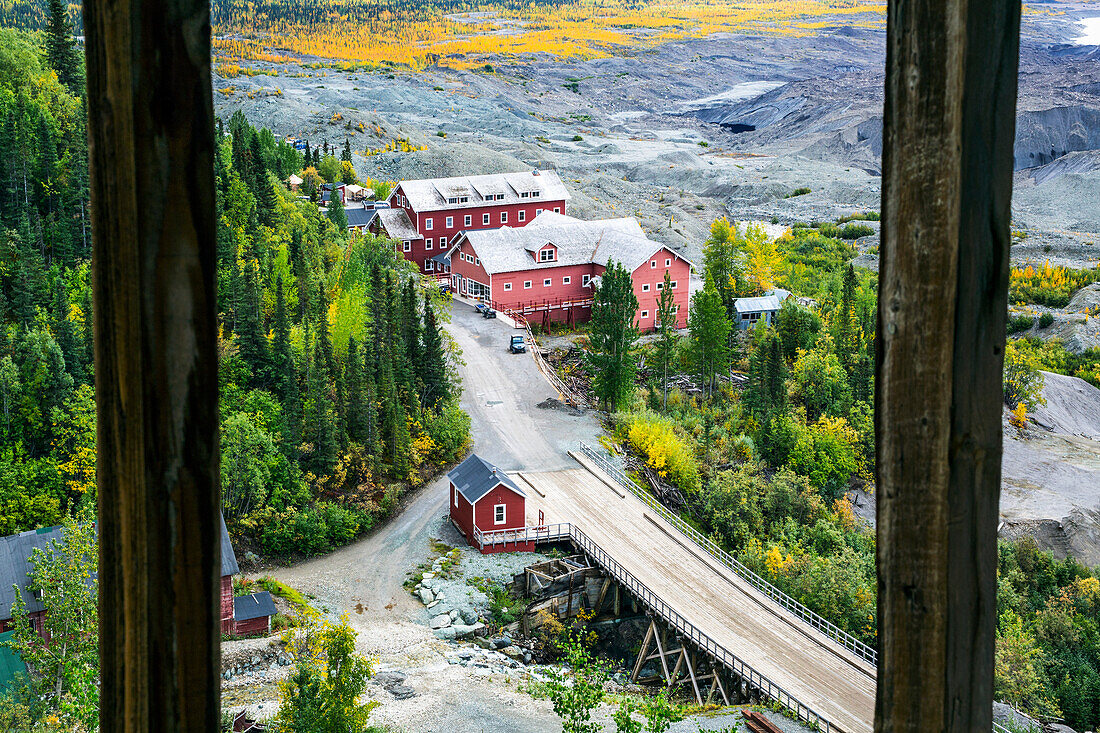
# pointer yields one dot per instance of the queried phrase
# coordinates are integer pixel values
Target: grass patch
(802, 191)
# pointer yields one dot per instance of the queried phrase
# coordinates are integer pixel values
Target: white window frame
(526, 284)
(585, 279)
(673, 284)
(406, 246)
(645, 315)
(428, 224)
(538, 211)
(660, 286)
(507, 287)
(547, 255)
(455, 496)
(500, 514)
(450, 222)
(566, 280)
(442, 242)
(524, 195)
(522, 215)
(466, 221)
(557, 209)
(504, 217)
(547, 282)
(428, 243)
(477, 261)
(645, 287)
(485, 219)
(653, 264)
(429, 266)
(668, 262)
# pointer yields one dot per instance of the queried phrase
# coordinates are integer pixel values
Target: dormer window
(547, 255)
(464, 199)
(524, 195)
(535, 194)
(452, 201)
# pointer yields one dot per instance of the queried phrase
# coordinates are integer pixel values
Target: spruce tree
(61, 51)
(410, 326)
(354, 407)
(666, 330)
(433, 371)
(285, 372)
(346, 154)
(250, 333)
(709, 329)
(65, 334)
(266, 200)
(613, 337)
(320, 420)
(336, 213)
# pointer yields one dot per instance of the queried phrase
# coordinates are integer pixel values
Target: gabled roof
(359, 216)
(397, 224)
(475, 477)
(578, 242)
(15, 564)
(757, 305)
(257, 605)
(431, 194)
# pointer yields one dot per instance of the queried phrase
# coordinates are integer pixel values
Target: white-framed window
(566, 280)
(500, 514)
(428, 223)
(535, 194)
(538, 211)
(645, 315)
(485, 219)
(526, 284)
(645, 287)
(442, 242)
(450, 222)
(660, 286)
(546, 255)
(653, 264)
(557, 209)
(507, 287)
(668, 262)
(504, 217)
(585, 279)
(522, 215)
(429, 265)
(467, 220)
(546, 282)
(524, 195)
(672, 284)
(406, 246)
(477, 261)
(456, 498)
(428, 243)
(463, 199)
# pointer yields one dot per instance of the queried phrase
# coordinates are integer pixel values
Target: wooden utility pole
(150, 134)
(943, 281)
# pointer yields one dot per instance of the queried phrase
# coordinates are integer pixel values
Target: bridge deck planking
(814, 669)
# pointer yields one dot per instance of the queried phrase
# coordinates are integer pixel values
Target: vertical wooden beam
(943, 279)
(150, 134)
(643, 651)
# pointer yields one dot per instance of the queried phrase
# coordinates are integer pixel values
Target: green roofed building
(10, 663)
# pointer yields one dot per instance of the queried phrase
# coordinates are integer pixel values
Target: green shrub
(1046, 320)
(828, 229)
(655, 438)
(311, 530)
(855, 231)
(1020, 322)
(577, 138)
(798, 192)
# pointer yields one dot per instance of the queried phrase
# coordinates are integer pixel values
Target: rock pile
(253, 659)
(449, 620)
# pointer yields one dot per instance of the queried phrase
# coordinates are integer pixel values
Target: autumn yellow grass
(460, 34)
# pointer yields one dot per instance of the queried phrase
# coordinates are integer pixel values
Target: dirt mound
(1084, 299)
(1047, 135)
(1085, 161)
(1072, 408)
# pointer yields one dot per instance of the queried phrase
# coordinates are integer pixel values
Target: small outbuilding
(252, 614)
(485, 498)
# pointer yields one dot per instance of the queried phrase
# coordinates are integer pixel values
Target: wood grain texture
(150, 130)
(943, 284)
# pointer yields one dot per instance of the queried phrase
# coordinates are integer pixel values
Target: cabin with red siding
(485, 499)
(439, 209)
(550, 266)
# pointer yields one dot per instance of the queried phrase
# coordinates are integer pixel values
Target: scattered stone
(401, 692)
(426, 596)
(441, 621)
(513, 651)
(427, 576)
(469, 615)
(501, 643)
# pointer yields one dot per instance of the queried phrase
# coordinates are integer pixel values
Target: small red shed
(483, 496)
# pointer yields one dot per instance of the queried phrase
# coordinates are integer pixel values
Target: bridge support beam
(689, 667)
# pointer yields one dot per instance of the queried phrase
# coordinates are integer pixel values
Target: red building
(438, 209)
(549, 267)
(484, 497)
(15, 568)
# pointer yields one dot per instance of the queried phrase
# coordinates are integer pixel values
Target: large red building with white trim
(548, 267)
(427, 215)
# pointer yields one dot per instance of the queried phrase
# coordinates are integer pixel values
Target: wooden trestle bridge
(714, 625)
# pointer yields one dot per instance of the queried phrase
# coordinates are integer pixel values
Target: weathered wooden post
(943, 279)
(151, 146)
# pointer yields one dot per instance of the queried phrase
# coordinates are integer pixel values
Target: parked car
(517, 346)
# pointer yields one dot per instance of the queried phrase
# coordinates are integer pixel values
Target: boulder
(441, 621)
(469, 615)
(462, 630)
(427, 576)
(426, 596)
(512, 651)
(447, 633)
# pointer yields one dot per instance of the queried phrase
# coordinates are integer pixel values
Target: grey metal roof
(359, 216)
(578, 242)
(229, 557)
(757, 305)
(475, 477)
(431, 194)
(397, 224)
(257, 605)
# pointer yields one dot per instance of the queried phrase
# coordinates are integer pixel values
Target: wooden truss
(680, 665)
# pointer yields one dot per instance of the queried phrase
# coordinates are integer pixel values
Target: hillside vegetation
(460, 33)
